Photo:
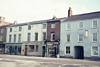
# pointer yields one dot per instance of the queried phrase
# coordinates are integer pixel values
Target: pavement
(31, 61)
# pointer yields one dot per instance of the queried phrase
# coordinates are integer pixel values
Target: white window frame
(79, 37)
(28, 37)
(68, 26)
(44, 25)
(20, 28)
(10, 38)
(94, 22)
(19, 37)
(93, 37)
(81, 25)
(53, 25)
(52, 36)
(69, 38)
(15, 38)
(29, 27)
(36, 36)
(92, 51)
(69, 49)
(10, 29)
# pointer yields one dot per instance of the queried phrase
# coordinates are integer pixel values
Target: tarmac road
(27, 61)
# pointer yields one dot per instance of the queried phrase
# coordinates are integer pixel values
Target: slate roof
(71, 18)
(83, 16)
(29, 23)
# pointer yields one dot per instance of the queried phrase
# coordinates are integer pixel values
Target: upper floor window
(95, 50)
(67, 50)
(44, 35)
(44, 26)
(94, 36)
(10, 36)
(53, 25)
(52, 36)
(10, 29)
(86, 33)
(68, 25)
(68, 37)
(95, 24)
(20, 28)
(81, 25)
(28, 36)
(80, 37)
(36, 36)
(19, 38)
(29, 27)
(14, 37)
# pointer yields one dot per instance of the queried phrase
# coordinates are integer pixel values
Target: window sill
(94, 55)
(94, 42)
(80, 42)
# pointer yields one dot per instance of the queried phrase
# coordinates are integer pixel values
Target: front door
(43, 51)
(79, 52)
(25, 50)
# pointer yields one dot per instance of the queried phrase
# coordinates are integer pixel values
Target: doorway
(43, 51)
(79, 52)
(25, 50)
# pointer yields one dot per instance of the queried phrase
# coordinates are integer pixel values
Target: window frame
(68, 26)
(15, 38)
(81, 25)
(20, 28)
(32, 48)
(53, 25)
(29, 27)
(44, 35)
(10, 29)
(19, 37)
(69, 51)
(82, 37)
(68, 38)
(44, 25)
(94, 39)
(10, 38)
(52, 36)
(92, 54)
(95, 24)
(36, 36)
(28, 37)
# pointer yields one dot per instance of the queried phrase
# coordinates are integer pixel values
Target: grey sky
(30, 10)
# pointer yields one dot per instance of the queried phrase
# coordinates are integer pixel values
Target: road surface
(30, 61)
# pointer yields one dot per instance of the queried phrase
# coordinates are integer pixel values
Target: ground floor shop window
(31, 48)
(95, 50)
(67, 49)
(13, 49)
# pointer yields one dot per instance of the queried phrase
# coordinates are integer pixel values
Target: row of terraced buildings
(75, 36)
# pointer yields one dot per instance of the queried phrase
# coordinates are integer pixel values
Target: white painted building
(80, 36)
(26, 38)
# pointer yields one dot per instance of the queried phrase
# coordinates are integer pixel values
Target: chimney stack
(69, 12)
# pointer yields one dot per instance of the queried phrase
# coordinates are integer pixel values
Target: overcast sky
(30, 10)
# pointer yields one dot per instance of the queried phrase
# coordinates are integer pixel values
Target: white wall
(74, 34)
(34, 28)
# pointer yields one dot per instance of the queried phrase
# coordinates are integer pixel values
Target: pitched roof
(83, 16)
(29, 23)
